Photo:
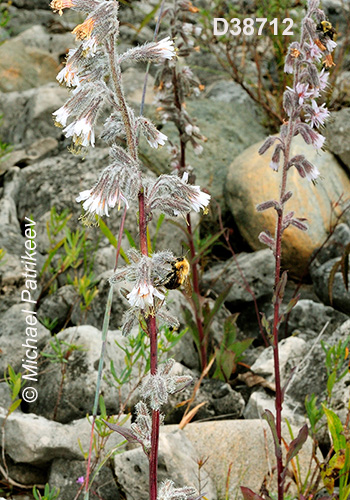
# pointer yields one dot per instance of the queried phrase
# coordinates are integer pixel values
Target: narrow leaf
(297, 443)
(268, 416)
(248, 494)
(111, 238)
(336, 429)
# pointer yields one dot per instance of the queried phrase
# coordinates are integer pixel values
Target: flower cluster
(147, 275)
(157, 387)
(176, 82)
(169, 492)
(305, 115)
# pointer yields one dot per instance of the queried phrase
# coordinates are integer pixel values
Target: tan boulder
(251, 181)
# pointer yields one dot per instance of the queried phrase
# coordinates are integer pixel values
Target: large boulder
(250, 181)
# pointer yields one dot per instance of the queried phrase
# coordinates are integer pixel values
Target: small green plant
(48, 494)
(15, 384)
(5, 147)
(335, 360)
(231, 350)
(61, 351)
(85, 286)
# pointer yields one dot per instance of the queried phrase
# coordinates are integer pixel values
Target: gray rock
(26, 473)
(13, 327)
(258, 270)
(22, 19)
(35, 152)
(291, 352)
(23, 67)
(312, 376)
(5, 396)
(334, 247)
(228, 127)
(177, 461)
(34, 440)
(27, 4)
(337, 134)
(58, 306)
(64, 474)
(76, 397)
(56, 44)
(28, 114)
(308, 318)
(320, 278)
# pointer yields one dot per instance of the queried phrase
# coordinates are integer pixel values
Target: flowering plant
(93, 73)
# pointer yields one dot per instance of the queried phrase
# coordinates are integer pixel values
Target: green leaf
(268, 416)
(217, 305)
(131, 240)
(297, 443)
(336, 429)
(14, 406)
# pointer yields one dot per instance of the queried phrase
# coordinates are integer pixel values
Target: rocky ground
(38, 173)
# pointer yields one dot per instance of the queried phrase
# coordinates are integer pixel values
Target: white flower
(197, 198)
(198, 149)
(189, 129)
(318, 115)
(81, 131)
(61, 116)
(312, 174)
(302, 89)
(142, 295)
(323, 78)
(165, 48)
(312, 52)
(90, 46)
(330, 44)
(157, 140)
(317, 139)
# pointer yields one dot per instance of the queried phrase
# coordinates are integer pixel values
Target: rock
(26, 473)
(320, 278)
(341, 91)
(337, 134)
(23, 67)
(58, 306)
(250, 181)
(65, 473)
(308, 318)
(23, 157)
(34, 440)
(291, 352)
(56, 44)
(260, 401)
(76, 396)
(5, 396)
(242, 443)
(334, 247)
(177, 461)
(13, 328)
(257, 268)
(228, 127)
(27, 115)
(311, 378)
(27, 4)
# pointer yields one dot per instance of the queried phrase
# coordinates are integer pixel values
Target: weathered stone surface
(308, 318)
(257, 268)
(340, 296)
(23, 67)
(291, 352)
(34, 440)
(65, 473)
(56, 44)
(13, 335)
(312, 376)
(243, 443)
(78, 391)
(338, 133)
(23, 157)
(227, 123)
(177, 461)
(250, 181)
(27, 115)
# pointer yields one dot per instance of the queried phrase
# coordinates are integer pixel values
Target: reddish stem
(197, 311)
